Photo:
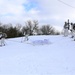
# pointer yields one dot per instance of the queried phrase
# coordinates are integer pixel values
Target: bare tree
(30, 26)
(47, 30)
(35, 27)
(18, 28)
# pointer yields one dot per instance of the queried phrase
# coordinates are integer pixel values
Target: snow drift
(23, 58)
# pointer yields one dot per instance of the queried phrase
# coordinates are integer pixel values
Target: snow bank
(58, 58)
(41, 42)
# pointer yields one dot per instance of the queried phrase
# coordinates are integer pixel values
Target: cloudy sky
(52, 12)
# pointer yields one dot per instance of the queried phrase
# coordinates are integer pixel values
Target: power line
(66, 4)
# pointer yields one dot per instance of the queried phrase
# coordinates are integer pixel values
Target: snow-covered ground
(25, 58)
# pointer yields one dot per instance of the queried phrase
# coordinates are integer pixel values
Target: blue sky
(50, 12)
(31, 5)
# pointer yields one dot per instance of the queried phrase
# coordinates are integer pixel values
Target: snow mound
(41, 42)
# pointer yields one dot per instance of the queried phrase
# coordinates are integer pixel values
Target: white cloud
(57, 13)
(46, 11)
(13, 11)
(58, 28)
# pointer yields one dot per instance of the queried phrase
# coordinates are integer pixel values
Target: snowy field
(57, 57)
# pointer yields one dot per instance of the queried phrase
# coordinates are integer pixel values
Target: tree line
(30, 27)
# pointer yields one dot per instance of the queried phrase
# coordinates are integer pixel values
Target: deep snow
(24, 58)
